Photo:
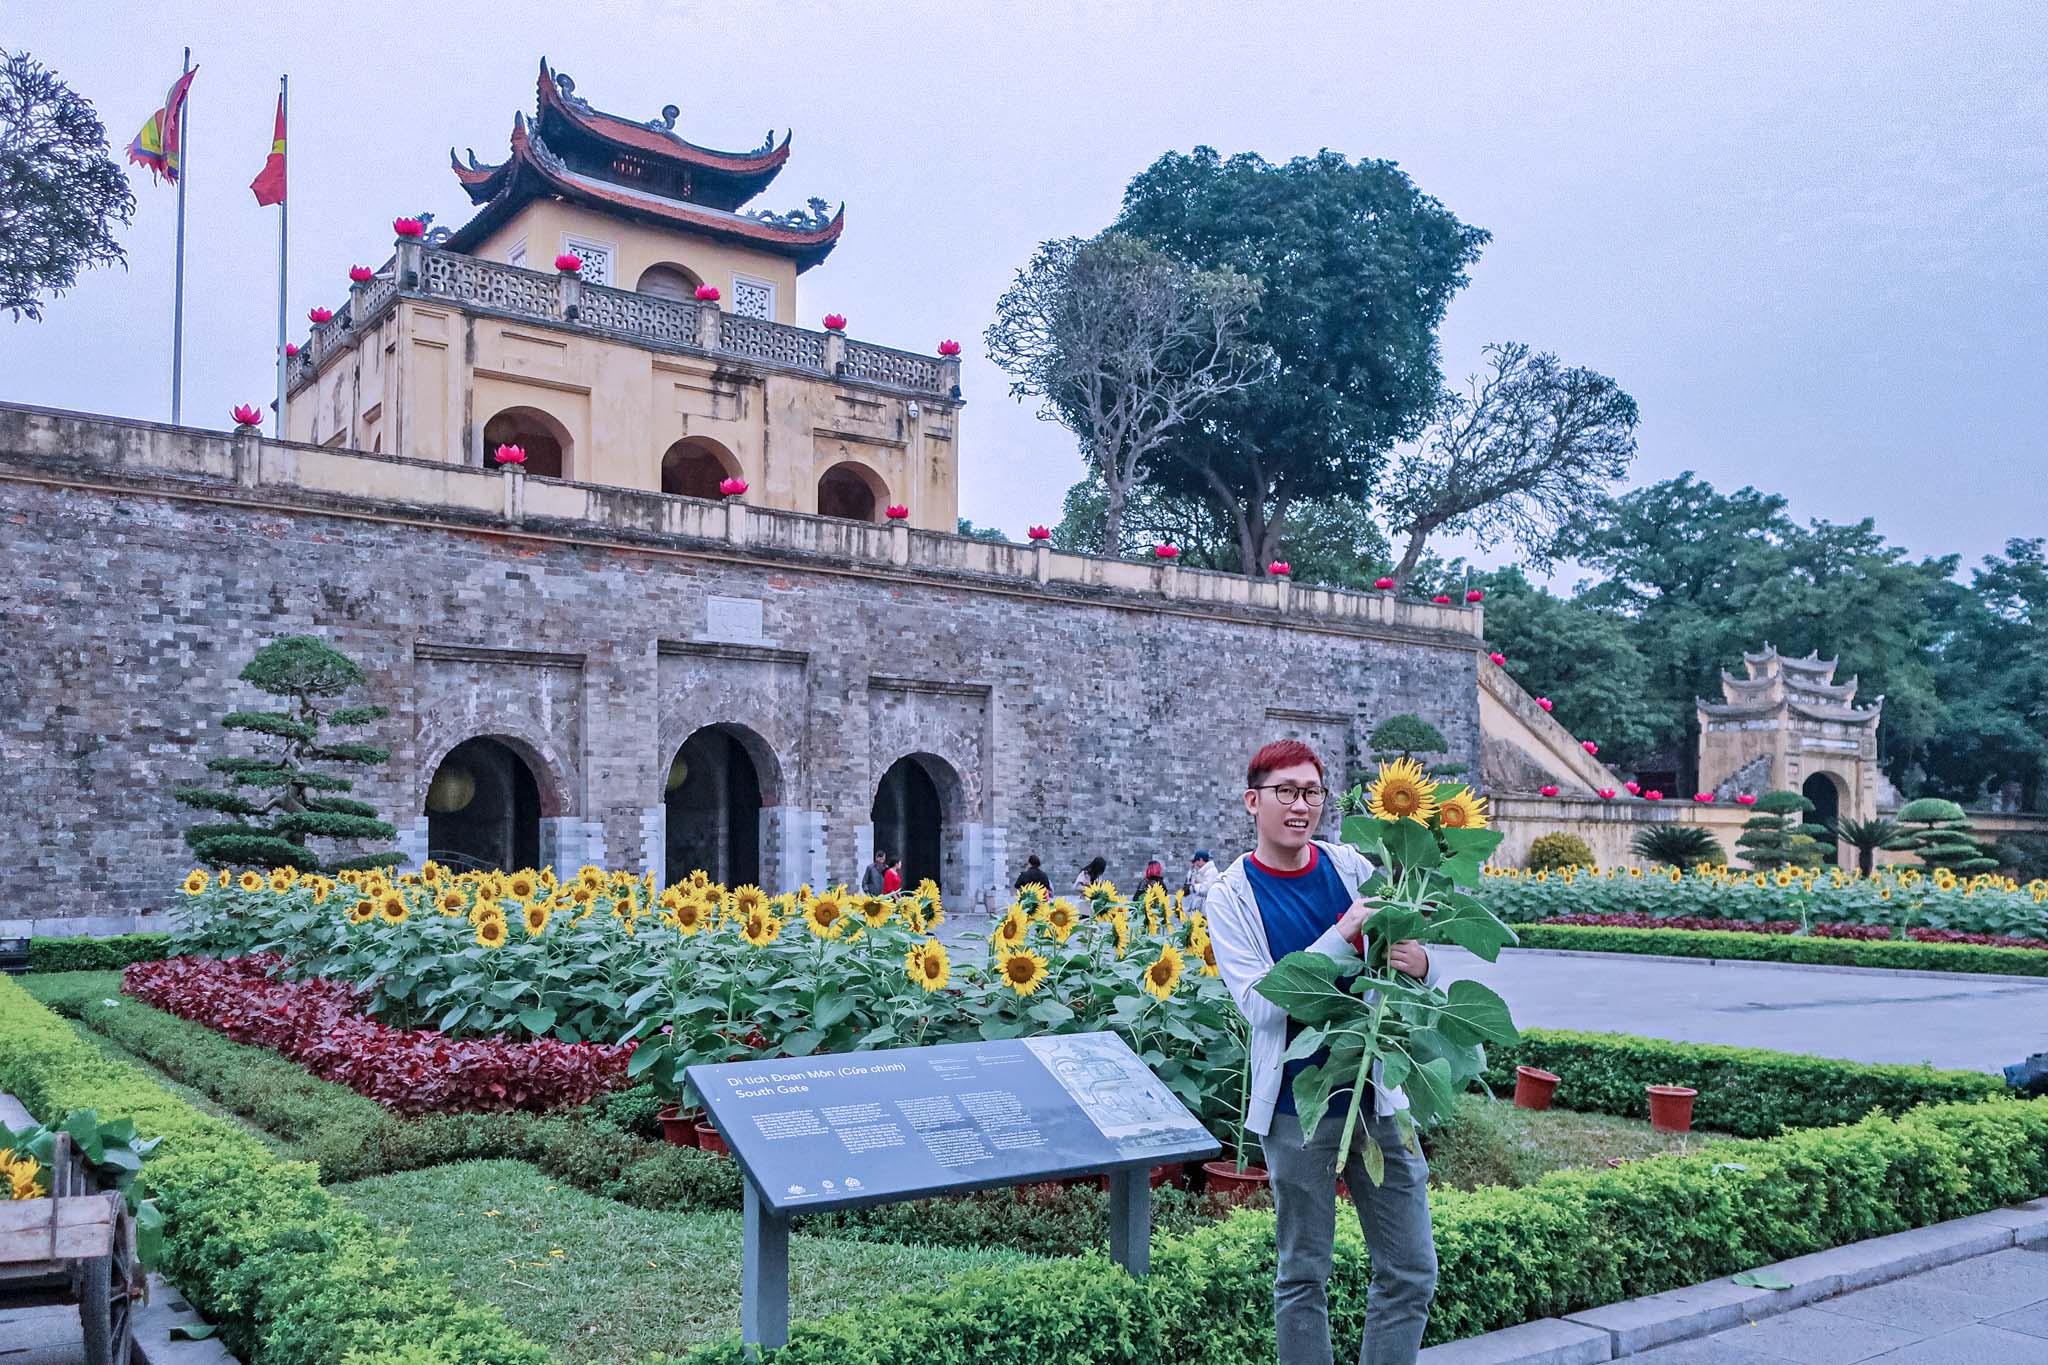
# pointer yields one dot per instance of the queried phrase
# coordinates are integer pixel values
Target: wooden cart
(76, 1246)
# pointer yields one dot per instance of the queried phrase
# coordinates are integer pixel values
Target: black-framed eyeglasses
(1288, 793)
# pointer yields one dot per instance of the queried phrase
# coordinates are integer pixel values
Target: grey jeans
(1394, 1217)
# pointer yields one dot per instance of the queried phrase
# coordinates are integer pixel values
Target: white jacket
(1238, 934)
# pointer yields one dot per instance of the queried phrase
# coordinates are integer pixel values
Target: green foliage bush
(1715, 943)
(1552, 851)
(88, 954)
(1571, 1241)
(291, 1276)
(1745, 1091)
(1680, 846)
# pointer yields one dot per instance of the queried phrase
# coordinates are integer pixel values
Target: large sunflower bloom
(391, 908)
(1462, 810)
(253, 881)
(1061, 916)
(1209, 967)
(490, 932)
(826, 915)
(875, 910)
(762, 929)
(536, 919)
(1164, 973)
(196, 881)
(748, 899)
(1012, 931)
(452, 903)
(20, 1174)
(362, 912)
(282, 879)
(1402, 791)
(522, 885)
(1022, 970)
(929, 966)
(689, 915)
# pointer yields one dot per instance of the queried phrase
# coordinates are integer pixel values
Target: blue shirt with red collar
(1297, 908)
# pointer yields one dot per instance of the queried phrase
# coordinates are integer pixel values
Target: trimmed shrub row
(87, 954)
(1933, 957)
(291, 1275)
(1745, 1091)
(1571, 1241)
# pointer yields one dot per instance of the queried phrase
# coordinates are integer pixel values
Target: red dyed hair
(1281, 753)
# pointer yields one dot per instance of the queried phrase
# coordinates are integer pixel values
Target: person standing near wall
(892, 879)
(1090, 875)
(873, 875)
(1202, 875)
(1033, 875)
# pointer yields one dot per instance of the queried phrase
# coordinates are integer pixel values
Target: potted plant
(1233, 1180)
(1671, 1108)
(1534, 1087)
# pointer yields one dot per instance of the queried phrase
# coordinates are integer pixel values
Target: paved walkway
(1955, 1020)
(1992, 1310)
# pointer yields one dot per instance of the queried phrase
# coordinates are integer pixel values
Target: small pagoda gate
(1788, 725)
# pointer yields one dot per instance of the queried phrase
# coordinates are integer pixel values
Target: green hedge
(292, 1276)
(1571, 1241)
(1843, 952)
(86, 954)
(1746, 1091)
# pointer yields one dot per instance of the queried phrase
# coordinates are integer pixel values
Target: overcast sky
(1811, 240)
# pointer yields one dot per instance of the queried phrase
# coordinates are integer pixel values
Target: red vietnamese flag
(269, 182)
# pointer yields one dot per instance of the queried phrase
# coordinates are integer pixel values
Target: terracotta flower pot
(1671, 1108)
(1174, 1173)
(679, 1129)
(711, 1140)
(1229, 1183)
(1533, 1087)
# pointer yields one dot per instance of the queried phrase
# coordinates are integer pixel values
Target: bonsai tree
(278, 798)
(1678, 845)
(1405, 736)
(1938, 834)
(1866, 837)
(1772, 838)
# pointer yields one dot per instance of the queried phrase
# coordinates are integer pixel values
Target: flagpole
(283, 208)
(178, 299)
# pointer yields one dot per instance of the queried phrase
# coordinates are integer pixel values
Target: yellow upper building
(664, 357)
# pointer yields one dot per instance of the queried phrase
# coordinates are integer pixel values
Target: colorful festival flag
(269, 182)
(161, 141)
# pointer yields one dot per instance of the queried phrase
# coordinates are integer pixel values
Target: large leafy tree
(1528, 444)
(61, 195)
(1583, 658)
(1991, 667)
(1122, 344)
(1356, 266)
(281, 797)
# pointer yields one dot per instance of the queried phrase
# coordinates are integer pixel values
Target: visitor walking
(1294, 892)
(874, 874)
(892, 880)
(1090, 875)
(1202, 875)
(1033, 875)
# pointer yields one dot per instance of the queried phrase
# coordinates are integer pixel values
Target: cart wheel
(105, 1303)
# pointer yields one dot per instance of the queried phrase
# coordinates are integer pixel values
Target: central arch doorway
(852, 491)
(483, 809)
(910, 817)
(713, 797)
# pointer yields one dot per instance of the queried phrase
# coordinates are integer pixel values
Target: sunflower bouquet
(1428, 842)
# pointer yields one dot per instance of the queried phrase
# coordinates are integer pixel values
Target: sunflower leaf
(1411, 845)
(1305, 984)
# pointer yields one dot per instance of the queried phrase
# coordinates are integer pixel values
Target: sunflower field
(697, 972)
(1901, 899)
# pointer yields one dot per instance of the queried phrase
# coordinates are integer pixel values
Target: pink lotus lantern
(569, 263)
(949, 347)
(896, 511)
(835, 322)
(731, 488)
(1383, 583)
(1280, 568)
(361, 274)
(1546, 703)
(1589, 746)
(707, 293)
(1746, 799)
(1704, 798)
(246, 415)
(1548, 789)
(408, 227)
(320, 315)
(1475, 595)
(1607, 793)
(1442, 599)
(1167, 551)
(291, 348)
(1039, 533)
(511, 455)
(1498, 660)
(1634, 788)
(1653, 795)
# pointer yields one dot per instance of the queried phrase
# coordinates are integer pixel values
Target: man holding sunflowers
(1295, 892)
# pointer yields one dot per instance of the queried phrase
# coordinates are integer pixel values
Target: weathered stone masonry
(1066, 706)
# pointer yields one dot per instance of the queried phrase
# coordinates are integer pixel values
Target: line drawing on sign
(1123, 1099)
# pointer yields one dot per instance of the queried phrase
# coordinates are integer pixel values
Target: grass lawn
(597, 1280)
(1494, 1143)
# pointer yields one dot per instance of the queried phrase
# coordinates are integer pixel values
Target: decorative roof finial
(668, 116)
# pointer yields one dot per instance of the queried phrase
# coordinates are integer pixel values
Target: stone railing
(43, 444)
(639, 319)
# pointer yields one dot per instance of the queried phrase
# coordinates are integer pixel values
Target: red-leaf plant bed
(1871, 933)
(411, 1071)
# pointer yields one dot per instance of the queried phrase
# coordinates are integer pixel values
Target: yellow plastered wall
(546, 227)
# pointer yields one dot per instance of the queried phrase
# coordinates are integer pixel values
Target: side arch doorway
(718, 782)
(1826, 795)
(483, 808)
